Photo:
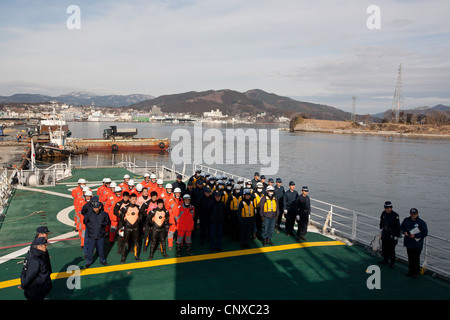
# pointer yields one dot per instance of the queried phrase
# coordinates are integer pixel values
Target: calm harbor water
(359, 172)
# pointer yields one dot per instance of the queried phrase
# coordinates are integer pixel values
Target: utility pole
(397, 104)
(354, 108)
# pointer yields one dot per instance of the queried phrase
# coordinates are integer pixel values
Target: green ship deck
(321, 268)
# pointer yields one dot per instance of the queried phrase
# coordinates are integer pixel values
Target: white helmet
(126, 176)
(177, 190)
(259, 185)
(160, 181)
(107, 180)
(81, 181)
(270, 188)
(169, 186)
(131, 182)
(139, 187)
(147, 175)
(86, 189)
(117, 189)
(88, 193)
(153, 176)
(113, 185)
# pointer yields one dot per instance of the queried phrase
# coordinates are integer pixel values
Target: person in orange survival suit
(131, 220)
(76, 193)
(109, 209)
(103, 192)
(172, 205)
(185, 225)
(78, 204)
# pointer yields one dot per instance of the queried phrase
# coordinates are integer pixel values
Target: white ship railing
(6, 189)
(364, 229)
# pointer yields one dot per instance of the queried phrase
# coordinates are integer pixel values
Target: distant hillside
(233, 103)
(79, 98)
(419, 110)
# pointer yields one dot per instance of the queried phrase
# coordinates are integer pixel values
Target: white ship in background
(98, 116)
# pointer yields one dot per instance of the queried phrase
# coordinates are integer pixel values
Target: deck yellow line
(162, 262)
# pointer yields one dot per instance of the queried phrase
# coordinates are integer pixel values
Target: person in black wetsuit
(158, 221)
(130, 217)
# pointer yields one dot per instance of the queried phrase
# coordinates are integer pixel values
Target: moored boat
(121, 145)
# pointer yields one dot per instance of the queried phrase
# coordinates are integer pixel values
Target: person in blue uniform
(96, 222)
(216, 210)
(35, 276)
(390, 231)
(303, 210)
(279, 194)
(415, 230)
(290, 197)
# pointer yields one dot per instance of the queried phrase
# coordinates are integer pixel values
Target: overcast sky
(317, 51)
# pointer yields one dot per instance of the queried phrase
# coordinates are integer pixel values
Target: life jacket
(270, 205)
(234, 203)
(247, 211)
(224, 197)
(132, 215)
(256, 200)
(159, 217)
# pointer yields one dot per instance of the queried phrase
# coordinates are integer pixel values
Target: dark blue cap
(291, 183)
(96, 204)
(42, 229)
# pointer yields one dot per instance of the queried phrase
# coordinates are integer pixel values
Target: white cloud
(321, 50)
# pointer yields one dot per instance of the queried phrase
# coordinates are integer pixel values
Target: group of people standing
(149, 214)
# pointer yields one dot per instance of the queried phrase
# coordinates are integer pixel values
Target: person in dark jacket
(279, 194)
(415, 230)
(390, 231)
(290, 197)
(35, 277)
(179, 183)
(202, 211)
(95, 222)
(303, 210)
(196, 194)
(216, 210)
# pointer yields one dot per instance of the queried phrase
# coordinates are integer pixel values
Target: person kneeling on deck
(246, 217)
(131, 218)
(269, 212)
(185, 225)
(95, 222)
(158, 221)
(303, 210)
